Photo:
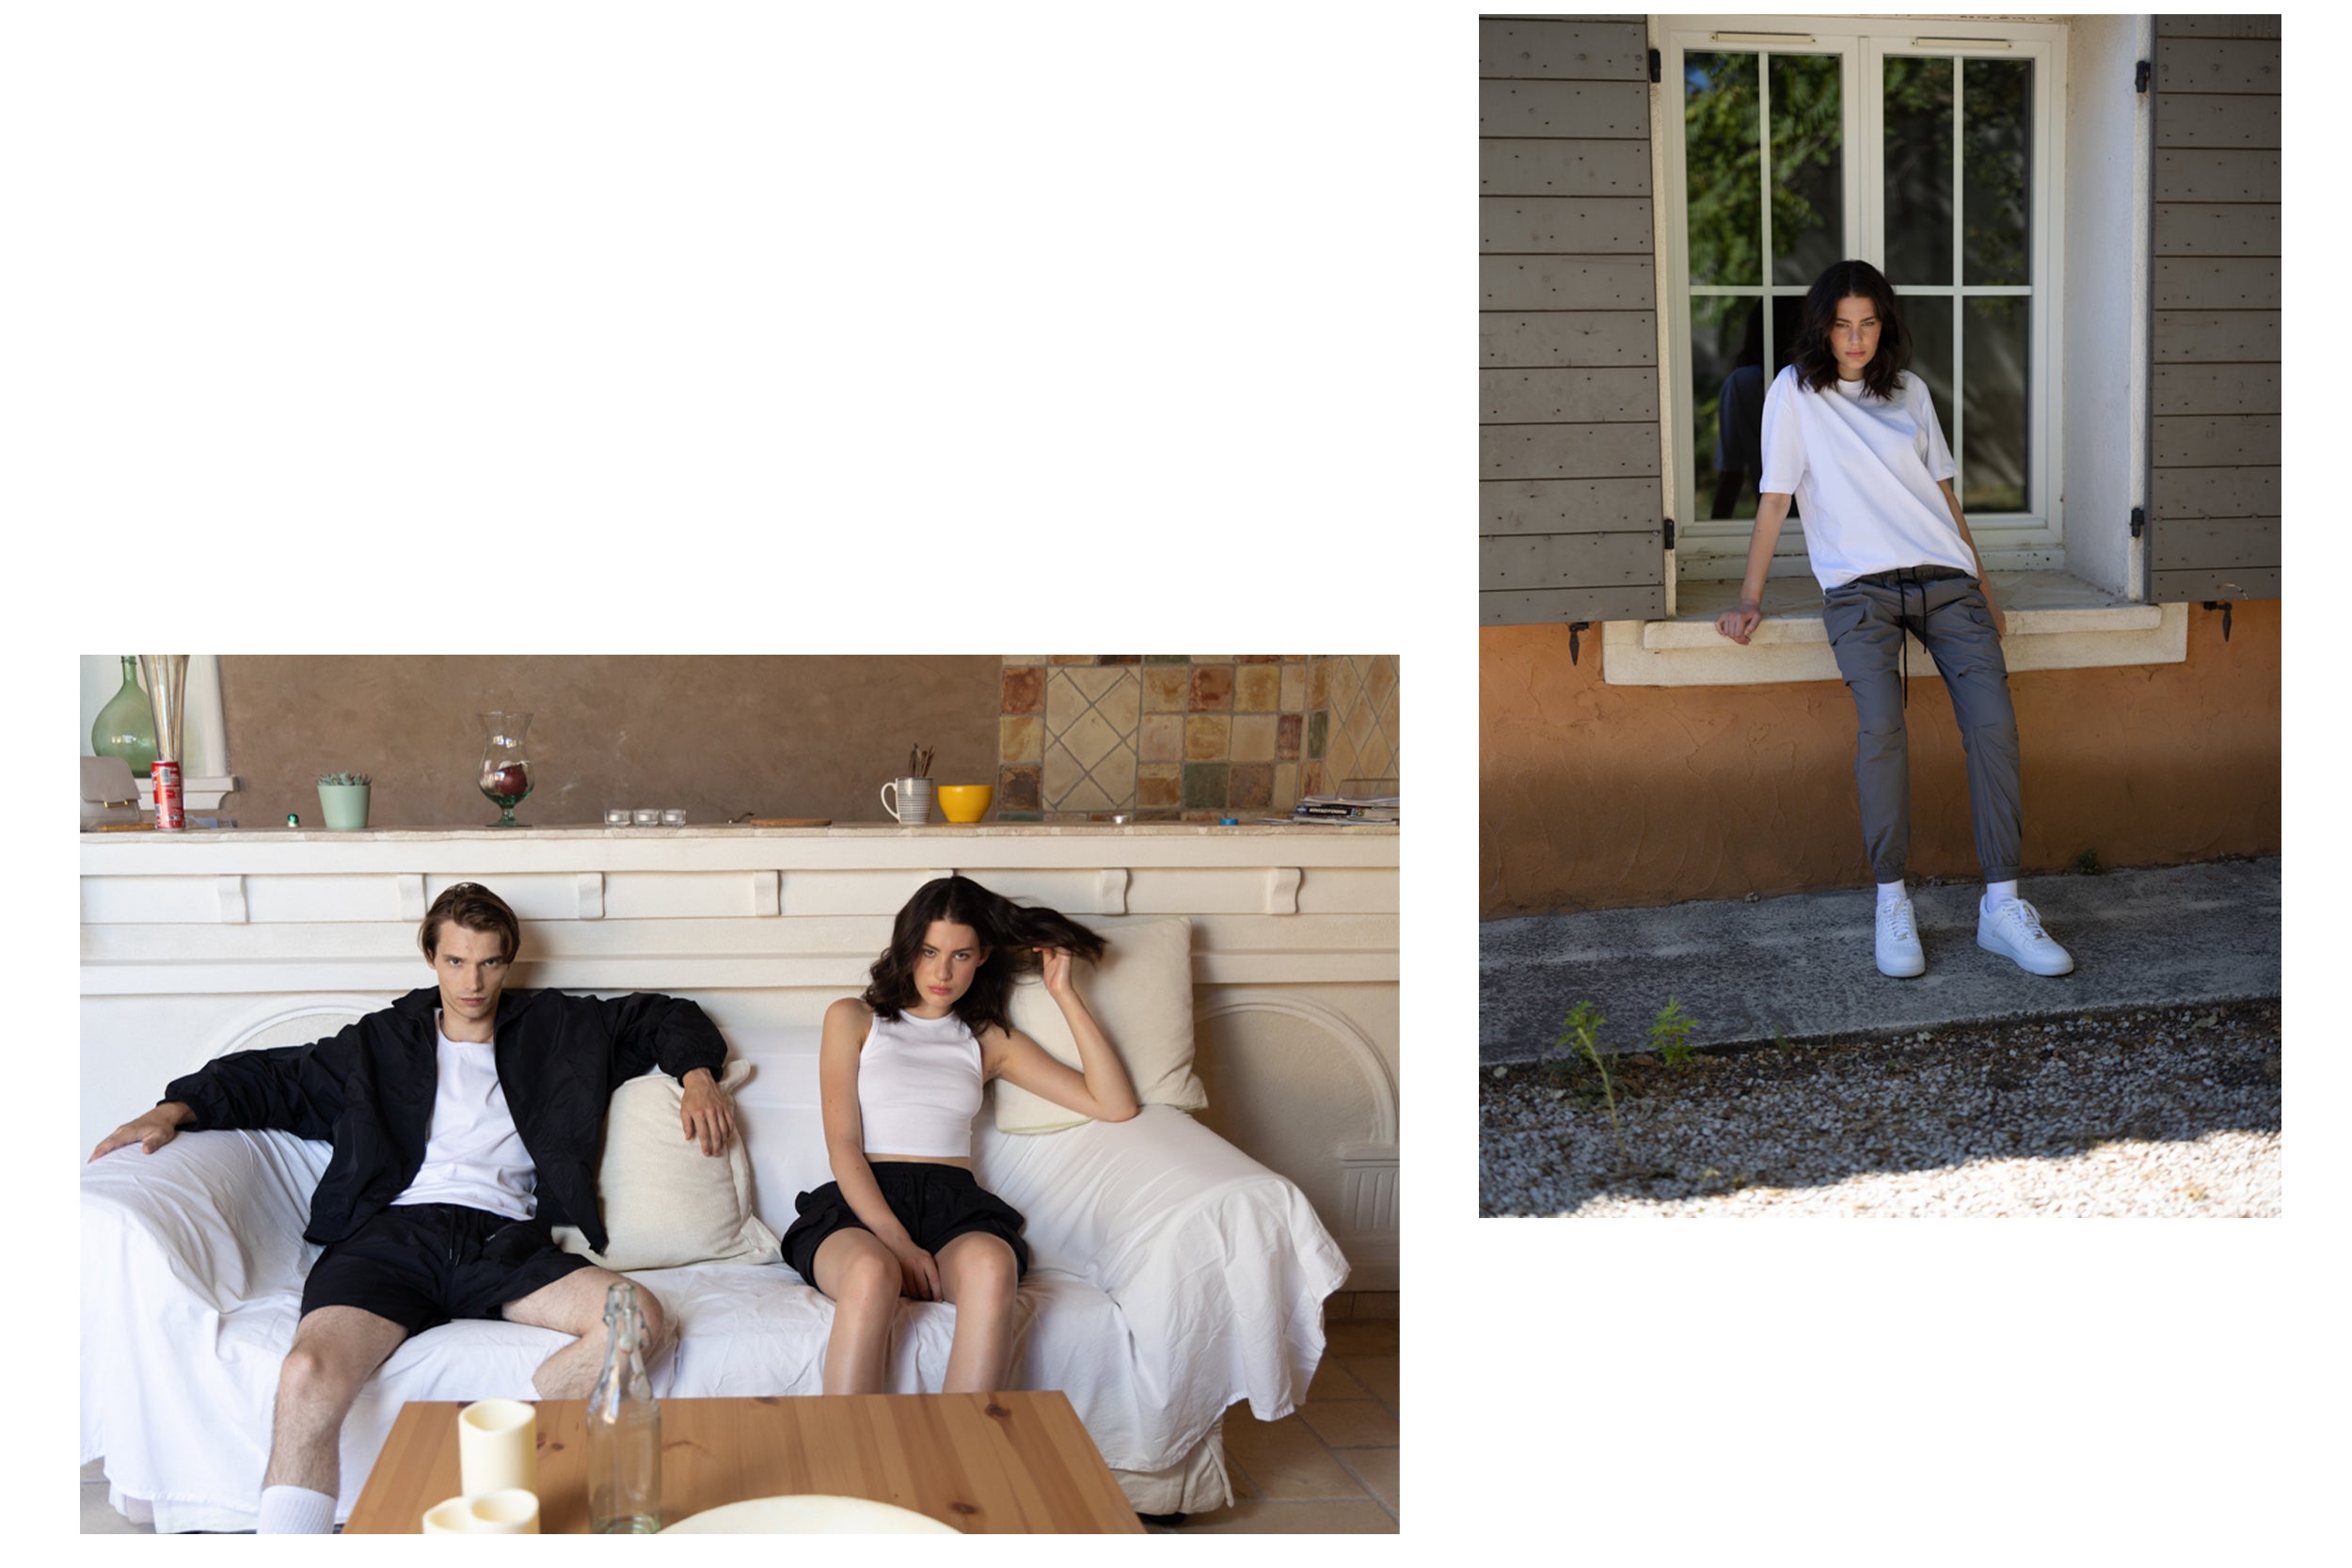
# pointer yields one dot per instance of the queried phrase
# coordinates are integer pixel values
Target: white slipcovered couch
(1172, 1277)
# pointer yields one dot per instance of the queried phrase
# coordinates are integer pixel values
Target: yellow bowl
(965, 802)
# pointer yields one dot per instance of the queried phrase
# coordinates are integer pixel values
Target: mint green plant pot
(343, 807)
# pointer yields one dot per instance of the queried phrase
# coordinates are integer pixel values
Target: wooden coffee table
(983, 1463)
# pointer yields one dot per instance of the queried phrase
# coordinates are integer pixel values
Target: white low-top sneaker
(2013, 929)
(1898, 942)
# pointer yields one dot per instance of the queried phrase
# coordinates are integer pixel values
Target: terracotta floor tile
(1352, 1424)
(1362, 1517)
(1378, 1374)
(1334, 1382)
(1356, 1336)
(1284, 1459)
(1376, 1469)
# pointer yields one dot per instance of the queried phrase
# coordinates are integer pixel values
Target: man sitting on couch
(466, 1122)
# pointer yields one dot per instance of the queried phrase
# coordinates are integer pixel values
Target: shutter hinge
(2139, 78)
(2139, 520)
(1670, 533)
(2222, 606)
(1656, 67)
(1576, 629)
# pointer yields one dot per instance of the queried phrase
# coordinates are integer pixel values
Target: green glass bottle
(126, 725)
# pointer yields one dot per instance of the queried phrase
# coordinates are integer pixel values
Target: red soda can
(167, 810)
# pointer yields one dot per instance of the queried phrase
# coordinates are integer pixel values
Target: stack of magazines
(1343, 809)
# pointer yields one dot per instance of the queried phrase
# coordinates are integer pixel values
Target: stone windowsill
(2056, 622)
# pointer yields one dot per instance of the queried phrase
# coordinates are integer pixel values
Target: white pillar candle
(509, 1512)
(497, 1447)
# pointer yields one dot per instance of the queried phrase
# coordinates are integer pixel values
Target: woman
(899, 1073)
(1852, 436)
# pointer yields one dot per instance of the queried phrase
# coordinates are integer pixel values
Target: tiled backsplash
(1191, 737)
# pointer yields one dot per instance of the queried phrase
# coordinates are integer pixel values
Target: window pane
(1808, 175)
(1996, 138)
(1918, 171)
(1992, 461)
(1727, 383)
(1720, 169)
(1930, 318)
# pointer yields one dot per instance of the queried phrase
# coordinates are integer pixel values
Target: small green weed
(1582, 1037)
(1670, 1032)
(2088, 862)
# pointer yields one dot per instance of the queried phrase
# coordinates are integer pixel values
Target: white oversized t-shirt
(1865, 472)
(473, 1156)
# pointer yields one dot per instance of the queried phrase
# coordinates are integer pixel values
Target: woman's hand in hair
(1056, 966)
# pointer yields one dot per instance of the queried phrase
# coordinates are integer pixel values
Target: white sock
(1995, 891)
(296, 1511)
(1890, 892)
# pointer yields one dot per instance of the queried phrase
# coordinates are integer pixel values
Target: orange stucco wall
(1595, 796)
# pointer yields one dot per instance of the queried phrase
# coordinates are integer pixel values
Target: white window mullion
(1960, 289)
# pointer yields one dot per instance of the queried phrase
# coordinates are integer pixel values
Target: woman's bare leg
(977, 1272)
(864, 1279)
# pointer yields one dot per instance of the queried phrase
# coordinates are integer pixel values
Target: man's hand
(705, 1112)
(1737, 623)
(150, 1132)
(919, 1272)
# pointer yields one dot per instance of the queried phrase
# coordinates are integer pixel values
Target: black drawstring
(1907, 576)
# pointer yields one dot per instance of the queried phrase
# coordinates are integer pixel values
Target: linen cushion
(666, 1203)
(1140, 993)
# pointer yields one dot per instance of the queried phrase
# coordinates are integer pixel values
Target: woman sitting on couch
(900, 1074)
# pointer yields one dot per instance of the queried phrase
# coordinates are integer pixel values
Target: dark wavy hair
(1816, 362)
(1010, 931)
(477, 909)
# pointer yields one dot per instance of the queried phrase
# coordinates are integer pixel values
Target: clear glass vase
(505, 771)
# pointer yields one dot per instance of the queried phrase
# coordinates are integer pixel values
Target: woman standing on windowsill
(1852, 435)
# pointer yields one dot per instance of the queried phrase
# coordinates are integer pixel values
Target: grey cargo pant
(1865, 620)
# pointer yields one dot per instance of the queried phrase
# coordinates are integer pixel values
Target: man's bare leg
(336, 1349)
(575, 1305)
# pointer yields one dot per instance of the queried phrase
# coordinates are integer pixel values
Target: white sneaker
(1898, 942)
(2014, 931)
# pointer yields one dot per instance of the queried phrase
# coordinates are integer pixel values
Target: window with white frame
(1929, 147)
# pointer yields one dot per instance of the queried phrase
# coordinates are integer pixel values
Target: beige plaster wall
(1594, 796)
(781, 737)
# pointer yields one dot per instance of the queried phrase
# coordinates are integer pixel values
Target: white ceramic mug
(908, 800)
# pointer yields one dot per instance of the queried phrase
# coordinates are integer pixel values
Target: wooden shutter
(1571, 521)
(2212, 486)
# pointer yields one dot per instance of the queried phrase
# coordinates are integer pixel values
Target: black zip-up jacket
(369, 1090)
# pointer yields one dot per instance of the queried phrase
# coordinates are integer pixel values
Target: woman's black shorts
(936, 1204)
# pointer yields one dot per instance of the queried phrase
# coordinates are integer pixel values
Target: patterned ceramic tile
(1168, 659)
(1017, 789)
(1204, 784)
(1290, 733)
(1024, 690)
(1061, 774)
(1257, 658)
(1311, 782)
(1319, 683)
(1286, 785)
(1208, 736)
(1166, 687)
(1159, 787)
(1294, 687)
(1250, 785)
(1212, 689)
(1257, 688)
(1019, 739)
(1161, 738)
(1253, 737)
(1318, 731)
(1073, 659)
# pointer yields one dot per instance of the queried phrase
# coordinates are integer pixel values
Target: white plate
(810, 1514)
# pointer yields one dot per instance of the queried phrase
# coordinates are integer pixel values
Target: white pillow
(666, 1203)
(1141, 995)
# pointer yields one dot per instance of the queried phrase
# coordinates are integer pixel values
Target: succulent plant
(343, 778)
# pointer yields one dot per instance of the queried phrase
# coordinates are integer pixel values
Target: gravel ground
(2138, 1112)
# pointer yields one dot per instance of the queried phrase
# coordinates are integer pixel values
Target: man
(466, 1123)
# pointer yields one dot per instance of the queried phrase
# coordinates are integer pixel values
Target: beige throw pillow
(666, 1203)
(1141, 995)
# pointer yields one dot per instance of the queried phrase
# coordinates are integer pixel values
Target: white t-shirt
(1864, 471)
(473, 1156)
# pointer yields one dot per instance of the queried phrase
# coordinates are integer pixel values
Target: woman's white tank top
(918, 1087)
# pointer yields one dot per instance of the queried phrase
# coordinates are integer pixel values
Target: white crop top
(918, 1086)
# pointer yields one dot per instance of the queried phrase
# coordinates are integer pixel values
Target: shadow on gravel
(1810, 1114)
